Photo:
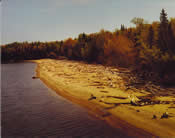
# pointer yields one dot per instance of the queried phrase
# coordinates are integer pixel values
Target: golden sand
(102, 90)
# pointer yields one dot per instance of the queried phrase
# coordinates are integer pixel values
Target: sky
(51, 20)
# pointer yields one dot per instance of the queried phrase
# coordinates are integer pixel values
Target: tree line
(147, 47)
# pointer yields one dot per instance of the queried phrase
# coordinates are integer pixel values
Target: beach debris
(92, 97)
(112, 85)
(165, 115)
(96, 82)
(100, 87)
(34, 77)
(104, 91)
(109, 78)
(154, 117)
(133, 103)
(171, 107)
(133, 100)
(118, 97)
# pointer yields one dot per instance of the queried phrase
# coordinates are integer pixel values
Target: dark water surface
(29, 109)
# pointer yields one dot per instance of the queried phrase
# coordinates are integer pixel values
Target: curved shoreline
(112, 117)
(96, 110)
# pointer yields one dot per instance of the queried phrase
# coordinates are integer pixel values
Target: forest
(148, 49)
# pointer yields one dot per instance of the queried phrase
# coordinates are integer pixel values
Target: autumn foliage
(117, 51)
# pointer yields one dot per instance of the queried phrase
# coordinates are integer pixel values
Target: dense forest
(148, 48)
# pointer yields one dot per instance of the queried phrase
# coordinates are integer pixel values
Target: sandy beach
(138, 112)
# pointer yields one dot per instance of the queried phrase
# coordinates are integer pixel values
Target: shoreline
(121, 118)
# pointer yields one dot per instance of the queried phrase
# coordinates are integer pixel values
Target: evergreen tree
(122, 27)
(150, 38)
(171, 37)
(163, 32)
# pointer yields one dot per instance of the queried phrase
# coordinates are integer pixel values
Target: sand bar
(102, 90)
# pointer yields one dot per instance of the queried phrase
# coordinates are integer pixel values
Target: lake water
(29, 109)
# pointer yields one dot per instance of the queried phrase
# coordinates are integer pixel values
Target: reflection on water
(29, 108)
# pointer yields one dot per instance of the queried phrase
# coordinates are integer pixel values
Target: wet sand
(102, 90)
